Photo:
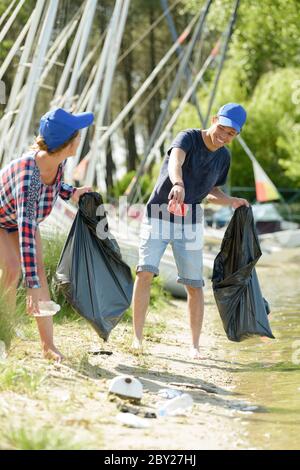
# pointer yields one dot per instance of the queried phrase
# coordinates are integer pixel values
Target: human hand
(79, 192)
(177, 193)
(32, 301)
(238, 202)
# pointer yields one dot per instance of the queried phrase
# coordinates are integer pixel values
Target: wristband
(179, 183)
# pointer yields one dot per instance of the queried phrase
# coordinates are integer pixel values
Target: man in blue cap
(195, 167)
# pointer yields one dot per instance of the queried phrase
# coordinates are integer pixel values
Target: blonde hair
(40, 144)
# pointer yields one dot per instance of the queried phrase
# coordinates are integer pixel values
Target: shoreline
(75, 394)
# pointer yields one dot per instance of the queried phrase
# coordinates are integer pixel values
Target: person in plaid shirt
(29, 187)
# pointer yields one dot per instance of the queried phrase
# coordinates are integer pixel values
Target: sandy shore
(71, 400)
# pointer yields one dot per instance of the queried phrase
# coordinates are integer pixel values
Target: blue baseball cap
(58, 126)
(232, 115)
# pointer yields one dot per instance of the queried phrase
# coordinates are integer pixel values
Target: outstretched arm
(176, 161)
(217, 196)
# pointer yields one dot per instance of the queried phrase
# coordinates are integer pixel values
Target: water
(267, 374)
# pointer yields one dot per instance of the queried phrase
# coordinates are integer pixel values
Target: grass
(52, 250)
(19, 379)
(8, 321)
(278, 367)
(41, 438)
(154, 330)
(159, 299)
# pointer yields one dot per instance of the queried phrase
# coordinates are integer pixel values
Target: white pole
(58, 97)
(246, 148)
(179, 109)
(87, 60)
(106, 90)
(19, 78)
(97, 82)
(114, 51)
(24, 117)
(15, 48)
(58, 45)
(85, 27)
(116, 123)
(85, 94)
(5, 14)
(104, 54)
(10, 21)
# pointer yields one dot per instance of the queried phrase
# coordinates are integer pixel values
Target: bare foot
(136, 346)
(195, 354)
(53, 354)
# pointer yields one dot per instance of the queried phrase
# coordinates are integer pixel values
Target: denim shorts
(187, 245)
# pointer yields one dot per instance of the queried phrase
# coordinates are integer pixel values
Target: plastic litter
(47, 309)
(177, 406)
(243, 310)
(169, 393)
(97, 351)
(136, 410)
(132, 421)
(61, 394)
(126, 386)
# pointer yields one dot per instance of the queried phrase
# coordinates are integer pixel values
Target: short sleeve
(183, 141)
(66, 191)
(224, 172)
(26, 190)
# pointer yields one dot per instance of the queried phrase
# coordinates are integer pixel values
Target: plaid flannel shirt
(24, 202)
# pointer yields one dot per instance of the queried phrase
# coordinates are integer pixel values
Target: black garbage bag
(243, 310)
(91, 273)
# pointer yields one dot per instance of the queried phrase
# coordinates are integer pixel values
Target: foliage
(8, 321)
(261, 67)
(261, 72)
(271, 130)
(19, 379)
(52, 249)
(159, 298)
(121, 186)
(41, 438)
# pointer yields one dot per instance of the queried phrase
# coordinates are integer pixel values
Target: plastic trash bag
(242, 308)
(90, 272)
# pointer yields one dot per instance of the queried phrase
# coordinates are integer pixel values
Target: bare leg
(196, 313)
(141, 298)
(10, 267)
(45, 324)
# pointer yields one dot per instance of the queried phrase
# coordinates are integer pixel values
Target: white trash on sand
(132, 421)
(177, 406)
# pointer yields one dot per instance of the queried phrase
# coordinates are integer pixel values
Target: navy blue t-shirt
(201, 171)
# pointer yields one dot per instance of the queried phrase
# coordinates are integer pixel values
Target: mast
(105, 95)
(18, 82)
(121, 116)
(10, 21)
(84, 31)
(19, 137)
(171, 95)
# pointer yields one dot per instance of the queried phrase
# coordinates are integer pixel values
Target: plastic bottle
(176, 406)
(132, 421)
(47, 309)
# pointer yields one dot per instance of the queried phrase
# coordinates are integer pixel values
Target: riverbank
(51, 406)
(47, 406)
